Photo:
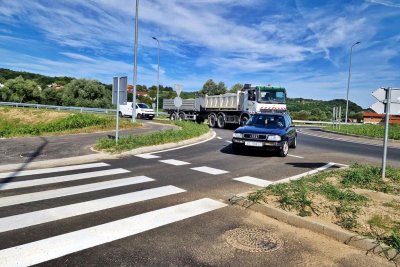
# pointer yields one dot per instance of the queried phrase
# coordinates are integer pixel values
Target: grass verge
(187, 130)
(18, 122)
(356, 199)
(370, 130)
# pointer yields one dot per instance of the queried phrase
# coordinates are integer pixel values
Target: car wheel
(283, 151)
(294, 143)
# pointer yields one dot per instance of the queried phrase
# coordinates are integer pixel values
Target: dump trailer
(230, 108)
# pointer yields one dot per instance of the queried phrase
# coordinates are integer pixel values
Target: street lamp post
(158, 71)
(348, 82)
(135, 62)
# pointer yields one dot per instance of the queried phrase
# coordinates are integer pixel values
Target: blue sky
(301, 45)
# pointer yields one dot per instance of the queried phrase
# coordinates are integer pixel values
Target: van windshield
(142, 105)
(267, 121)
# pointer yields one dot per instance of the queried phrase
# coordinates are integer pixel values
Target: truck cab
(257, 99)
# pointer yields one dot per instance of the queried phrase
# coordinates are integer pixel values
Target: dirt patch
(30, 116)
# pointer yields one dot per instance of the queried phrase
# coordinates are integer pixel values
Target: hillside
(310, 109)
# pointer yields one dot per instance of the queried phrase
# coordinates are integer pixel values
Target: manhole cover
(253, 239)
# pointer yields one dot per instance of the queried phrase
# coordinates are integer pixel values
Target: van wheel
(120, 114)
(139, 116)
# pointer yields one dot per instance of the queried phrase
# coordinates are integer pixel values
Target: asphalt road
(176, 213)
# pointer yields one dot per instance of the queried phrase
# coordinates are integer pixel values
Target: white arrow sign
(380, 95)
(379, 108)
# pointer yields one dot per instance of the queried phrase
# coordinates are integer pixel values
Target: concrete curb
(341, 235)
(103, 156)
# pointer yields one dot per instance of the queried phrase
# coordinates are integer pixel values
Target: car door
(291, 131)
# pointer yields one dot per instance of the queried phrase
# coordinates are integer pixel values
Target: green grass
(187, 130)
(369, 130)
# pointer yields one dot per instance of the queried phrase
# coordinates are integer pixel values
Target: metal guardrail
(78, 109)
(312, 122)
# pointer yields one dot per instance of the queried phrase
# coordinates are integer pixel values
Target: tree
(235, 88)
(20, 90)
(51, 96)
(221, 89)
(209, 88)
(86, 93)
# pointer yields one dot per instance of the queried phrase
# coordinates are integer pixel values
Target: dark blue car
(267, 131)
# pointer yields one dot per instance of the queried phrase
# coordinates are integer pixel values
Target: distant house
(372, 117)
(55, 86)
(130, 90)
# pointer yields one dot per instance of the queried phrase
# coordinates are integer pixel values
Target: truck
(230, 108)
(142, 111)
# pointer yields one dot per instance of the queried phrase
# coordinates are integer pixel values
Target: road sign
(123, 85)
(178, 102)
(178, 88)
(380, 95)
(379, 108)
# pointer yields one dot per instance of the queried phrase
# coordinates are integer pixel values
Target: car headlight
(237, 135)
(274, 138)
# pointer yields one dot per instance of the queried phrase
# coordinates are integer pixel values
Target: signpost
(389, 104)
(177, 100)
(119, 96)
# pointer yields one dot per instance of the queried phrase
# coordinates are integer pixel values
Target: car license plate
(251, 143)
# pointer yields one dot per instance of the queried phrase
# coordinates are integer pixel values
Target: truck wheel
(221, 121)
(182, 116)
(283, 151)
(173, 116)
(120, 114)
(212, 120)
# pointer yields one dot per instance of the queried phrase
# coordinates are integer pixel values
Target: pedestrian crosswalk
(49, 248)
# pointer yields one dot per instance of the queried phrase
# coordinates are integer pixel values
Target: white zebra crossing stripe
(52, 170)
(30, 197)
(59, 179)
(147, 156)
(58, 213)
(209, 170)
(58, 246)
(174, 162)
(253, 181)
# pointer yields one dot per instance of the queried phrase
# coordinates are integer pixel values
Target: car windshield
(267, 121)
(267, 96)
(141, 105)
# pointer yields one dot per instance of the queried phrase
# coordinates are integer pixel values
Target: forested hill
(41, 80)
(310, 109)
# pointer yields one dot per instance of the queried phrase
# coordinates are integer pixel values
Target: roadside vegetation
(18, 122)
(186, 130)
(369, 130)
(355, 198)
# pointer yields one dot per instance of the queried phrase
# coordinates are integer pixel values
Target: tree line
(25, 87)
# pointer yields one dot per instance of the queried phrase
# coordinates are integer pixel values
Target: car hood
(259, 130)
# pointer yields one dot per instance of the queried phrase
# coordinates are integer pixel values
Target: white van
(142, 111)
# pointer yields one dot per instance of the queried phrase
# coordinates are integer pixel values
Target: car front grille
(255, 136)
